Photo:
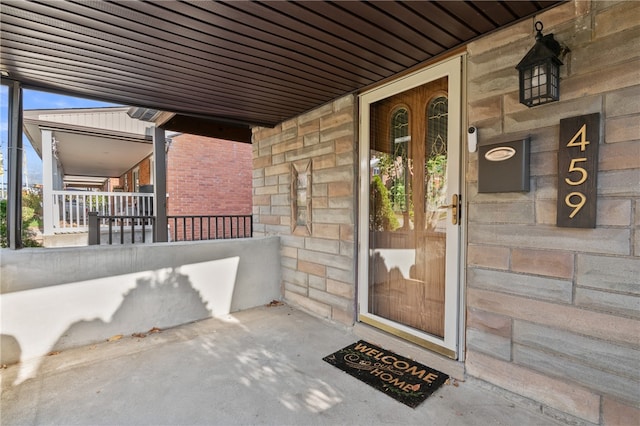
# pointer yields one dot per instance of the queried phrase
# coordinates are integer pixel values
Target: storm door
(410, 181)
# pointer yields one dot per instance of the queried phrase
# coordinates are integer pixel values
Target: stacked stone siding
(553, 313)
(318, 268)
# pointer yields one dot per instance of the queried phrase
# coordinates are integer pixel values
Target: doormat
(401, 378)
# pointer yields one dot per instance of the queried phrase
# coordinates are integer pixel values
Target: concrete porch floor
(260, 366)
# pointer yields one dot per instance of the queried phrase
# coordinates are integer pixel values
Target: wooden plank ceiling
(249, 63)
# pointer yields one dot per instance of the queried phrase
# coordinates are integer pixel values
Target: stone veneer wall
(318, 268)
(553, 313)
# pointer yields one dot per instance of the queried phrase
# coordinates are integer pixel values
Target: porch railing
(71, 208)
(130, 229)
(203, 227)
(127, 229)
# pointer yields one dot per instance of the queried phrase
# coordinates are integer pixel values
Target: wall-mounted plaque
(578, 171)
(301, 198)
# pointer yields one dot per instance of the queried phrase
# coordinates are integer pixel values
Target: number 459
(574, 168)
(580, 138)
(576, 206)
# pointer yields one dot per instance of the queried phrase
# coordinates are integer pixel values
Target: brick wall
(208, 176)
(145, 172)
(205, 176)
(144, 175)
(318, 269)
(553, 313)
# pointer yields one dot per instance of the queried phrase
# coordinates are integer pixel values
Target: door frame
(451, 344)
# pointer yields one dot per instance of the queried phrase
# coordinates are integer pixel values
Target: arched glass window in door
(436, 160)
(399, 147)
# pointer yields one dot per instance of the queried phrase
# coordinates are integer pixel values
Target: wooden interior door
(408, 207)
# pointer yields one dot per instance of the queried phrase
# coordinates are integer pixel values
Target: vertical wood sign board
(578, 171)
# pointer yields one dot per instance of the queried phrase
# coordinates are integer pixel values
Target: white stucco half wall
(53, 299)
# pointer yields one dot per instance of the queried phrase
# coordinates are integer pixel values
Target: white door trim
(452, 69)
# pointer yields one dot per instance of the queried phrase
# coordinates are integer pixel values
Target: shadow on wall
(159, 302)
(38, 321)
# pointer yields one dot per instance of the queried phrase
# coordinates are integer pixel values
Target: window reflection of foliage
(391, 177)
(398, 196)
(385, 163)
(399, 162)
(436, 160)
(436, 169)
(381, 215)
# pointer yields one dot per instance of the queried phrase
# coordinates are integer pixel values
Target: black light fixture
(540, 71)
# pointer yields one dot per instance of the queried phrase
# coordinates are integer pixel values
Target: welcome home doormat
(401, 378)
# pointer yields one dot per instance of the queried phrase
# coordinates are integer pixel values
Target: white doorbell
(472, 137)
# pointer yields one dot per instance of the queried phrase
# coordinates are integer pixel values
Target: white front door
(410, 140)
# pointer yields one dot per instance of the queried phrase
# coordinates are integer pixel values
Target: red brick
(210, 176)
(205, 176)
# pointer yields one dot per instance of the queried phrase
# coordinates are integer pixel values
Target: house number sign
(578, 171)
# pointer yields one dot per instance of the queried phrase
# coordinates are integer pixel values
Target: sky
(35, 100)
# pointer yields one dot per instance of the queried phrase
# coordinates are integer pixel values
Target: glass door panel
(407, 238)
(409, 253)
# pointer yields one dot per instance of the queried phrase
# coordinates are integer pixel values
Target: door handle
(454, 206)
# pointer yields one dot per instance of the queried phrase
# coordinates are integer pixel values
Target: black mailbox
(504, 167)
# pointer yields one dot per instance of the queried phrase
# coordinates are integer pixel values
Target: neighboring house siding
(109, 119)
(552, 313)
(145, 172)
(144, 175)
(318, 270)
(208, 176)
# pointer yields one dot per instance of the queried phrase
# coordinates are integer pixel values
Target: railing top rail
(100, 193)
(120, 216)
(208, 215)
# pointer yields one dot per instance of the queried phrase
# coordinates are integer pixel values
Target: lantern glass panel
(540, 83)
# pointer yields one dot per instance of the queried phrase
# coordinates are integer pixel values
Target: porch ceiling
(248, 63)
(97, 148)
(92, 155)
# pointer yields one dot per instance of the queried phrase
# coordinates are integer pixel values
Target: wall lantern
(540, 71)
